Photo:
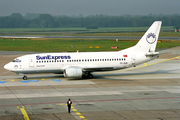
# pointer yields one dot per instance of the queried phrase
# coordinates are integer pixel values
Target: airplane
(82, 64)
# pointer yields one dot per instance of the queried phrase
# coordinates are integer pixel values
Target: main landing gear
(89, 75)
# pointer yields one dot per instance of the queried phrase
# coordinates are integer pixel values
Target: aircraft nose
(7, 66)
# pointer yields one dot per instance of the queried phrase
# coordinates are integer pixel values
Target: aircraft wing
(91, 69)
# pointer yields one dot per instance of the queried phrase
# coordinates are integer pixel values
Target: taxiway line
(26, 117)
(77, 114)
(94, 101)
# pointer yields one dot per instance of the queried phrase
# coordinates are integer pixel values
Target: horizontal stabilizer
(152, 53)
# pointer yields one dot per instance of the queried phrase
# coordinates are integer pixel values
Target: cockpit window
(16, 60)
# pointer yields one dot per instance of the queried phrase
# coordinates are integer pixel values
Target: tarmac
(148, 91)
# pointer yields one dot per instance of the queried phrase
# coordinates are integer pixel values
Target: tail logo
(151, 38)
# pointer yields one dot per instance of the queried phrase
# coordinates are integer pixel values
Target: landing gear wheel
(25, 78)
(89, 76)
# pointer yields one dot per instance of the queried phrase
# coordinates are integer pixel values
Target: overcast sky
(90, 7)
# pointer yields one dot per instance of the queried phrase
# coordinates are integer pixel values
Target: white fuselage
(87, 61)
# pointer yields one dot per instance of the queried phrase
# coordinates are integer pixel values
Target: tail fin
(149, 40)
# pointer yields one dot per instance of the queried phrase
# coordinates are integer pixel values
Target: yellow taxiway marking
(82, 117)
(77, 113)
(62, 104)
(26, 117)
(74, 110)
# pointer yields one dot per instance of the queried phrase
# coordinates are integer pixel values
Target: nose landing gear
(24, 77)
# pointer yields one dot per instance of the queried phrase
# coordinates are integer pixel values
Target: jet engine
(73, 73)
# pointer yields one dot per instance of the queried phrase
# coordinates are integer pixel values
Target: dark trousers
(69, 108)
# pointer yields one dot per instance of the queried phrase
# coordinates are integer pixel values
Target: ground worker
(69, 102)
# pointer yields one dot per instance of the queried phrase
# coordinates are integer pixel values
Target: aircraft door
(133, 60)
(31, 62)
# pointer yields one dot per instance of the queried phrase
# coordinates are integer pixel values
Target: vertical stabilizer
(149, 40)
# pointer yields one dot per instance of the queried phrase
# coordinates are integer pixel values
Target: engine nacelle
(73, 73)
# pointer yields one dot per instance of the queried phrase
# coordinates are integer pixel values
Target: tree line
(16, 20)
